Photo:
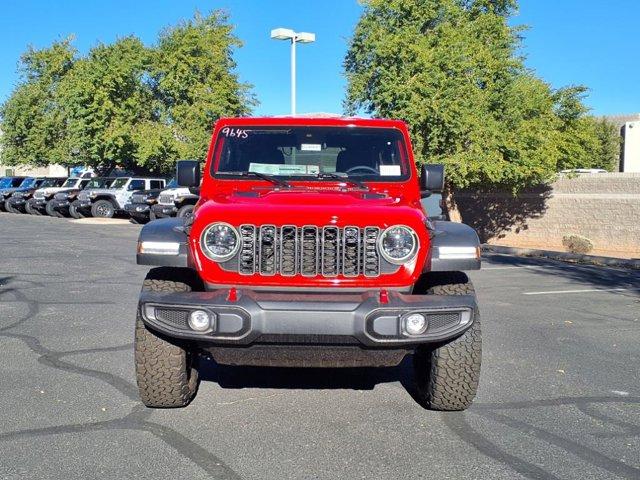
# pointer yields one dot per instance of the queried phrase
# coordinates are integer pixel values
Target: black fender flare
(454, 247)
(163, 242)
(106, 196)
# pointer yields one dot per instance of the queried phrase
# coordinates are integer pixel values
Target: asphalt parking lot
(559, 394)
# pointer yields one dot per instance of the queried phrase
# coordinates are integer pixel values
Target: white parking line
(506, 268)
(529, 267)
(586, 290)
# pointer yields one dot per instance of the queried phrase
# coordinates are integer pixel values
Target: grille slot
(371, 259)
(267, 250)
(288, 250)
(330, 251)
(351, 252)
(247, 250)
(308, 251)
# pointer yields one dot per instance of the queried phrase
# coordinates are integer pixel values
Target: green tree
(125, 104)
(194, 83)
(450, 68)
(105, 99)
(33, 127)
(609, 140)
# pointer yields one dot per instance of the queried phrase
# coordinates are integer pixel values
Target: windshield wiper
(344, 177)
(263, 176)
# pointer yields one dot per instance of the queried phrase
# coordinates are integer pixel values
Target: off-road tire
(185, 211)
(74, 211)
(165, 372)
(9, 208)
(103, 209)
(30, 209)
(52, 212)
(447, 376)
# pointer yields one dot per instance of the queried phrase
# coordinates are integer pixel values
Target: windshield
(70, 182)
(28, 183)
(99, 183)
(50, 182)
(119, 183)
(173, 183)
(374, 154)
(6, 182)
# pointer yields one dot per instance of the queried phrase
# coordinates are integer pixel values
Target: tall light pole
(294, 37)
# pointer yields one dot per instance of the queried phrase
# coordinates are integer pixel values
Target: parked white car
(175, 202)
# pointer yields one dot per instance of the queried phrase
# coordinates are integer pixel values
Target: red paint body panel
(309, 203)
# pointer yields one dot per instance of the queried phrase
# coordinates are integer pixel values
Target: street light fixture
(294, 37)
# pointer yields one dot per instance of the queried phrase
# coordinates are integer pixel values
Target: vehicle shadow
(239, 377)
(589, 275)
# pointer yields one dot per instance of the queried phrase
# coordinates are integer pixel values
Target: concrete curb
(565, 256)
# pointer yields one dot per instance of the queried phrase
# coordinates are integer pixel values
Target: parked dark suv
(18, 202)
(141, 204)
(8, 185)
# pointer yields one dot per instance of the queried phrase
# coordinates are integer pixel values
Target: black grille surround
(309, 251)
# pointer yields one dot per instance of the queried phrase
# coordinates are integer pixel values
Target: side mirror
(188, 173)
(431, 178)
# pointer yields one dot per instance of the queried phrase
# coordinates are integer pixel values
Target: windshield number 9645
(235, 132)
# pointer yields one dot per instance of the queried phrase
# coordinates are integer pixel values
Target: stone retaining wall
(602, 207)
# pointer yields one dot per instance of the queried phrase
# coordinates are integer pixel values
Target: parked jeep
(175, 202)
(106, 202)
(59, 204)
(70, 199)
(8, 185)
(18, 201)
(141, 203)
(309, 247)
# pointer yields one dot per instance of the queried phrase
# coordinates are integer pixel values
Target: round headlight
(220, 242)
(398, 244)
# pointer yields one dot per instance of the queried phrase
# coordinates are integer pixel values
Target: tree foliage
(451, 69)
(125, 104)
(33, 126)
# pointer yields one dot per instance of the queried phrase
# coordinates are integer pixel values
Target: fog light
(415, 324)
(199, 320)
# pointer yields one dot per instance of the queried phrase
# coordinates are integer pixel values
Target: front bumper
(161, 211)
(247, 317)
(59, 204)
(84, 204)
(137, 209)
(39, 203)
(17, 202)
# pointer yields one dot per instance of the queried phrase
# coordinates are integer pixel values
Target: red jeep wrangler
(309, 247)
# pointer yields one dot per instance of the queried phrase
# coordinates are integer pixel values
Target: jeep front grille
(38, 195)
(308, 251)
(166, 199)
(137, 198)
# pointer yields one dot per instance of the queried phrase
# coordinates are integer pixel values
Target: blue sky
(590, 42)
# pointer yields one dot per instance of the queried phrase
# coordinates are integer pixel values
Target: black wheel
(74, 211)
(185, 211)
(30, 209)
(9, 208)
(103, 209)
(447, 376)
(52, 212)
(165, 368)
(138, 220)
